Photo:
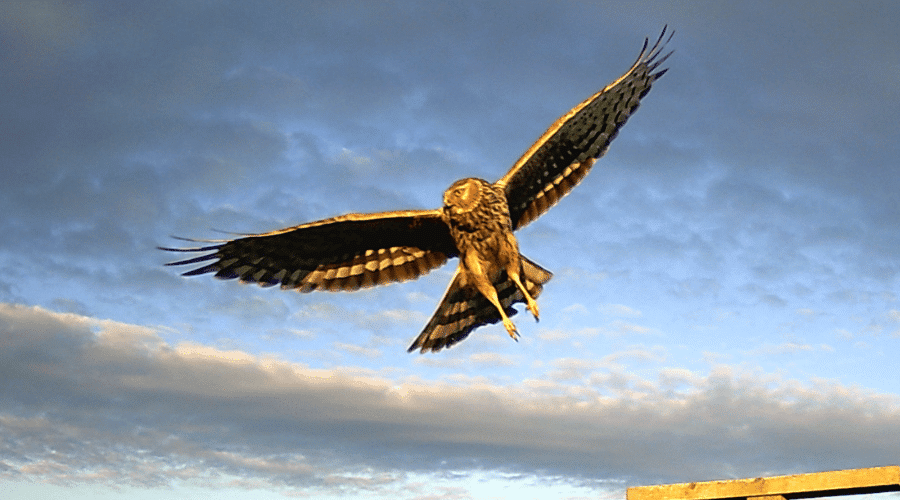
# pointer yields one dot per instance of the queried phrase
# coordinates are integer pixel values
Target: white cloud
(619, 310)
(492, 359)
(639, 354)
(571, 368)
(358, 350)
(94, 397)
(673, 377)
(783, 348)
(619, 328)
(573, 309)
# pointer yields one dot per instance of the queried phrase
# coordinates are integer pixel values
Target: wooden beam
(816, 484)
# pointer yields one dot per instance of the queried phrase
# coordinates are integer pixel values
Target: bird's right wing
(341, 253)
(464, 308)
(558, 161)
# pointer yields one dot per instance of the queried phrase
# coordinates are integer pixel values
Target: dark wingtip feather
(194, 260)
(659, 45)
(197, 240)
(191, 249)
(648, 56)
(654, 60)
(659, 41)
(201, 270)
(207, 248)
(644, 48)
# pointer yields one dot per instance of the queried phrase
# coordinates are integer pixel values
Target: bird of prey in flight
(475, 224)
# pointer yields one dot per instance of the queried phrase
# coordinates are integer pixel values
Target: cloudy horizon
(724, 301)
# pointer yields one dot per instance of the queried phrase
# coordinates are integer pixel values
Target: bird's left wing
(341, 253)
(568, 149)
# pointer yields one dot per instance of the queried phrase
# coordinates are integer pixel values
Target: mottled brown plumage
(475, 224)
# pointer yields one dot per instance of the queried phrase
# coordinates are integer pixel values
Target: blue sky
(725, 292)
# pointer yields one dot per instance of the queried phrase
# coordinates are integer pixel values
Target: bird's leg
(479, 278)
(513, 265)
(532, 304)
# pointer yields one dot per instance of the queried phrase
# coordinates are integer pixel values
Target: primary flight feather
(475, 224)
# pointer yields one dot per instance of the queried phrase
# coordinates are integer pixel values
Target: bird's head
(462, 196)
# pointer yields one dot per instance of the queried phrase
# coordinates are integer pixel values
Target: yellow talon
(511, 329)
(533, 307)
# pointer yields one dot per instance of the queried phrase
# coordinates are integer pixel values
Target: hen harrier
(476, 224)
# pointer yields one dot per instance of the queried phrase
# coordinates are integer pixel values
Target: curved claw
(533, 307)
(511, 329)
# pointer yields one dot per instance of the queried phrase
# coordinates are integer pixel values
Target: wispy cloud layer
(87, 401)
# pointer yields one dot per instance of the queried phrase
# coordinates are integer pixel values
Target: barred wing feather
(342, 253)
(565, 153)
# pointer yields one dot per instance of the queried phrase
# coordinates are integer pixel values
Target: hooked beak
(452, 209)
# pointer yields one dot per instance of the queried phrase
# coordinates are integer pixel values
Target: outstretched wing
(568, 149)
(341, 253)
(464, 308)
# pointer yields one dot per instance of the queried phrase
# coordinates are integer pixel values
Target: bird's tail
(464, 308)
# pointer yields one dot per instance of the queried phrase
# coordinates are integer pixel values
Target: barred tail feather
(464, 309)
